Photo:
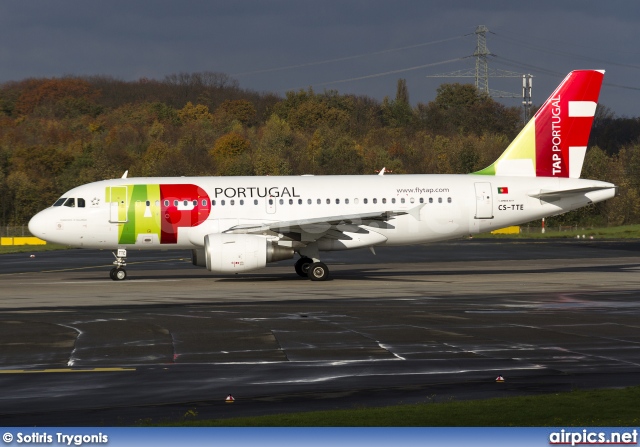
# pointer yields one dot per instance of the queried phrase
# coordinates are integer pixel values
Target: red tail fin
(554, 142)
(563, 124)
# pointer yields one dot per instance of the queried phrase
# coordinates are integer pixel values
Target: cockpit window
(80, 203)
(60, 201)
(70, 203)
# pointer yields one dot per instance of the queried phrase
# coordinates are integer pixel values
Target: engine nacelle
(233, 253)
(198, 257)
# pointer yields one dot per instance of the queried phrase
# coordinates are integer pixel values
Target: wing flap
(320, 226)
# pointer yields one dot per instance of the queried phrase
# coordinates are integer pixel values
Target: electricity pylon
(482, 72)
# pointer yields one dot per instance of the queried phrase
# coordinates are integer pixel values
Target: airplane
(239, 224)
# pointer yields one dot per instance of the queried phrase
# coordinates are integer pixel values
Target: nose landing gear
(118, 273)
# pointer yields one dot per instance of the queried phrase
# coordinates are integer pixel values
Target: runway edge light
(499, 379)
(229, 399)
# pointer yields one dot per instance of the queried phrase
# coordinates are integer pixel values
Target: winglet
(554, 142)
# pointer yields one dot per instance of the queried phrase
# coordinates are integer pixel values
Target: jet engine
(233, 253)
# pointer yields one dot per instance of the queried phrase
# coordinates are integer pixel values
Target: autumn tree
(196, 112)
(57, 97)
(240, 110)
(231, 155)
(58, 133)
(462, 109)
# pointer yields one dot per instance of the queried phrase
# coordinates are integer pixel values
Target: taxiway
(412, 324)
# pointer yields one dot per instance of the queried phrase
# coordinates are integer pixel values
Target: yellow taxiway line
(62, 370)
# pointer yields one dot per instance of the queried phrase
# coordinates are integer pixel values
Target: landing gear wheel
(318, 271)
(118, 274)
(302, 266)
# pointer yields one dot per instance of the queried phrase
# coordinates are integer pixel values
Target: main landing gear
(118, 273)
(312, 269)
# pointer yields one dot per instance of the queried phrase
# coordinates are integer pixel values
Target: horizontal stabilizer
(545, 194)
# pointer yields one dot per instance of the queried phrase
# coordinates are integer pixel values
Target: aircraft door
(484, 201)
(118, 199)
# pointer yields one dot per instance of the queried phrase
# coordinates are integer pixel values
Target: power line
(386, 73)
(554, 43)
(540, 70)
(346, 58)
(557, 52)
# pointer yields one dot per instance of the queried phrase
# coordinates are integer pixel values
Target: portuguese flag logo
(503, 190)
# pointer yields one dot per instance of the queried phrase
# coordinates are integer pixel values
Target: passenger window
(290, 201)
(337, 201)
(319, 201)
(157, 203)
(270, 201)
(147, 203)
(299, 201)
(421, 199)
(213, 203)
(241, 202)
(204, 203)
(309, 201)
(175, 203)
(232, 202)
(430, 199)
(346, 201)
(402, 200)
(166, 203)
(80, 203)
(449, 199)
(355, 201)
(439, 199)
(365, 201)
(384, 200)
(412, 200)
(195, 203)
(281, 202)
(255, 202)
(328, 201)
(222, 202)
(375, 200)
(60, 201)
(185, 203)
(393, 200)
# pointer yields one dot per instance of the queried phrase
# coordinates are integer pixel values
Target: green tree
(276, 140)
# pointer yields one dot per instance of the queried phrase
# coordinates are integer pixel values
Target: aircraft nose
(38, 225)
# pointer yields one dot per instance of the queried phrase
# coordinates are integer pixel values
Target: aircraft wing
(332, 227)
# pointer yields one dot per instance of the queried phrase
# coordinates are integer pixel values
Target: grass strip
(622, 232)
(580, 408)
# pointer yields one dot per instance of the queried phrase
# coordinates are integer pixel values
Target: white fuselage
(178, 212)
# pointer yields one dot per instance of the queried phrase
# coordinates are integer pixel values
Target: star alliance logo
(95, 201)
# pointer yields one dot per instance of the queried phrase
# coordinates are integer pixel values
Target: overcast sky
(353, 46)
